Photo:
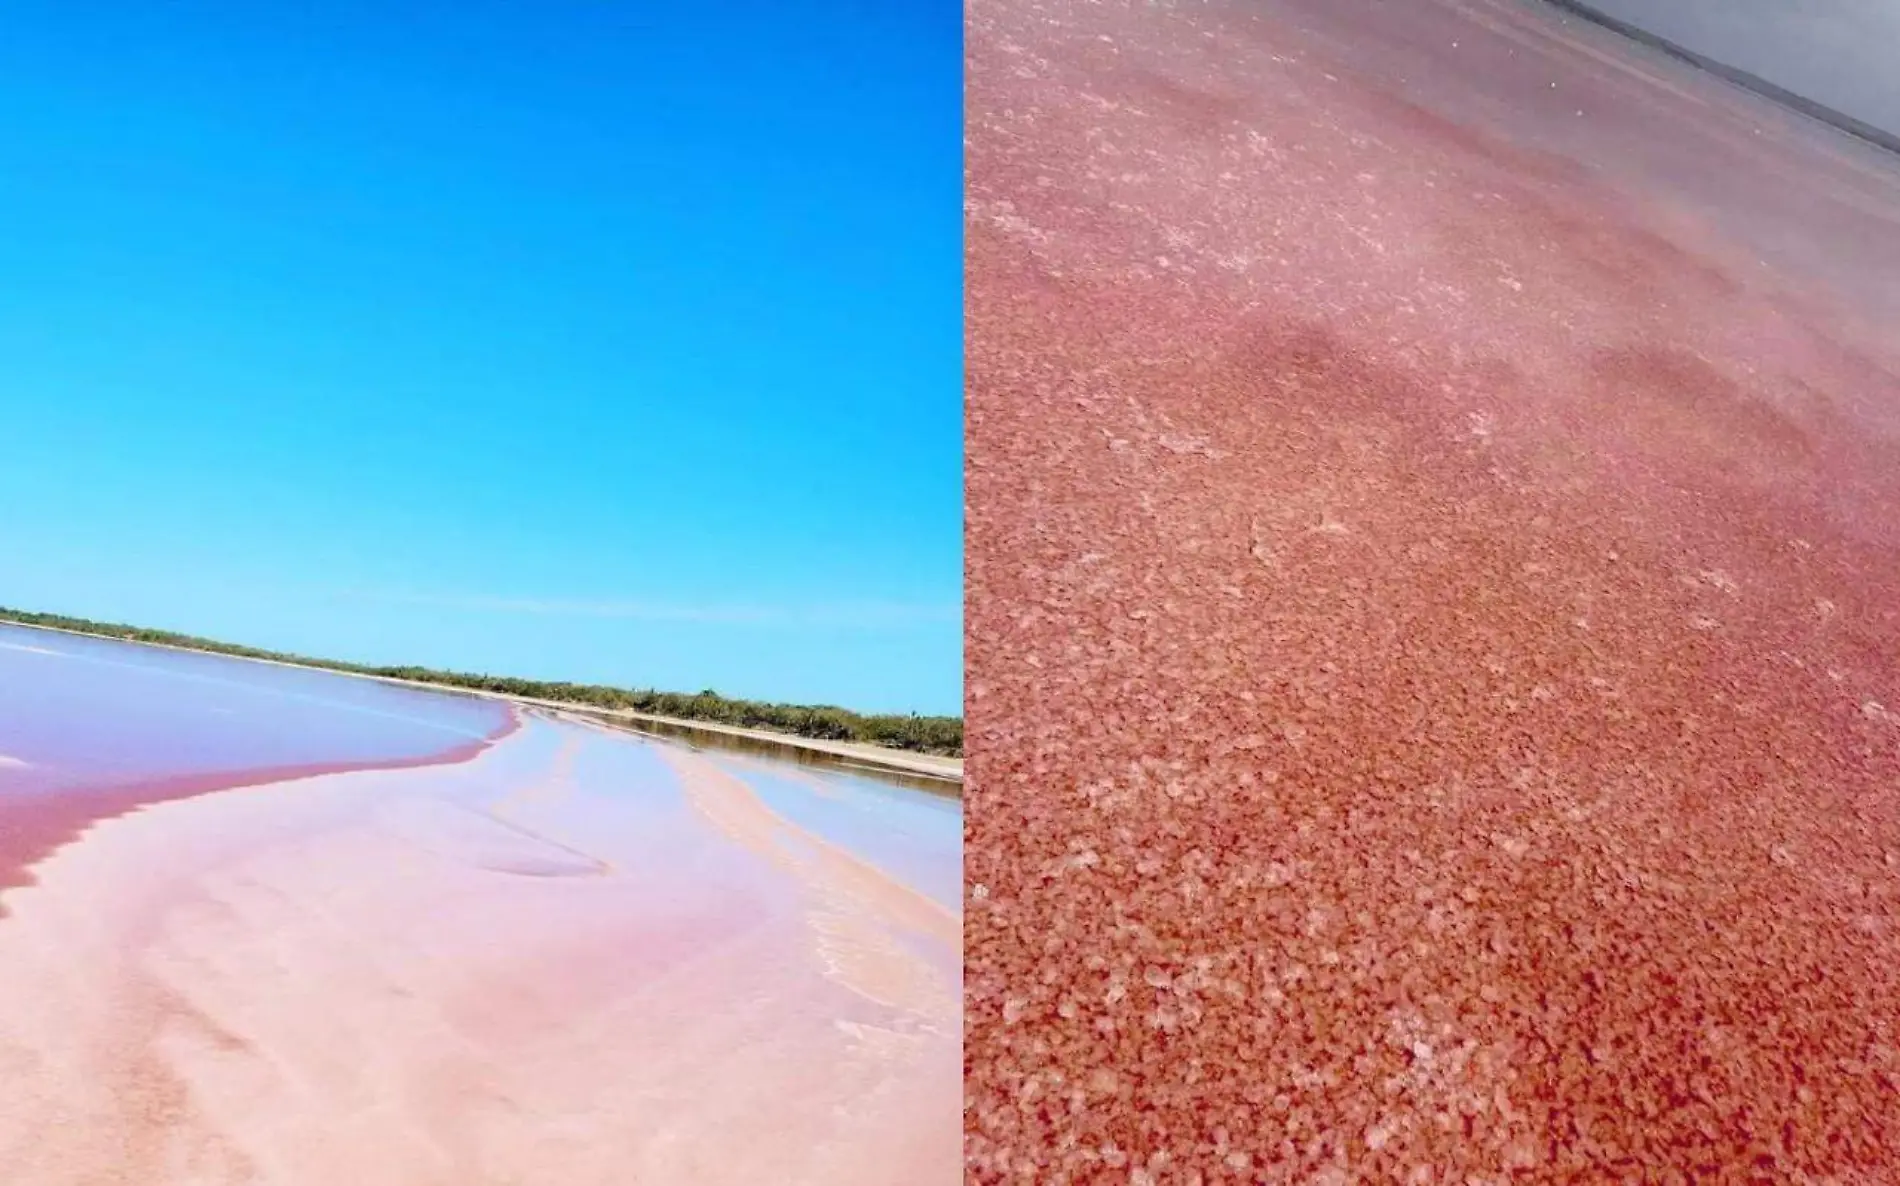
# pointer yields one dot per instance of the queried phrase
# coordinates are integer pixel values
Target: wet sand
(578, 957)
(92, 729)
(1431, 558)
(31, 828)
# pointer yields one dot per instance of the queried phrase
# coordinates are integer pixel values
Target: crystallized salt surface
(1432, 571)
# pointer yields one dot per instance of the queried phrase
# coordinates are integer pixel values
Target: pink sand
(577, 958)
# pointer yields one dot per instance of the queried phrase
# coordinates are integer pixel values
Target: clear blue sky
(608, 342)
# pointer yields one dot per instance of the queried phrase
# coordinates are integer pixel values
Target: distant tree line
(931, 735)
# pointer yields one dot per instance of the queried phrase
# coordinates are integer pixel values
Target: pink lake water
(899, 830)
(646, 959)
(85, 712)
(92, 727)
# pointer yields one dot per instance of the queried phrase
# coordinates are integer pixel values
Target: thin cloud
(847, 614)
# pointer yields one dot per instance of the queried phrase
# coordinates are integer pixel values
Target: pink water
(85, 712)
(564, 954)
(91, 728)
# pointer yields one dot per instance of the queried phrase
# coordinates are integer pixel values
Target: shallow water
(93, 713)
(899, 830)
(103, 726)
(577, 955)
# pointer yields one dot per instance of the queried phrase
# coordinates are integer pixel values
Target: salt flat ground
(1431, 646)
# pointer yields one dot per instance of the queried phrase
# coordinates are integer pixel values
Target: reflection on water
(716, 740)
(900, 831)
(85, 713)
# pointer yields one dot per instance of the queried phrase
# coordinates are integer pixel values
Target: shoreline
(944, 775)
(1747, 80)
(35, 828)
(933, 767)
(306, 979)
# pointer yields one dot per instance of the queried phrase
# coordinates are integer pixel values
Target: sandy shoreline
(34, 826)
(577, 957)
(923, 765)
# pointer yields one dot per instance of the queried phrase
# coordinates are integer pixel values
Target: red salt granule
(1430, 607)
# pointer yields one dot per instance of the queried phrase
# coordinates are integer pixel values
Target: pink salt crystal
(1662, 400)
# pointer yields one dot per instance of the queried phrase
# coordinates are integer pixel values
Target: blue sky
(617, 343)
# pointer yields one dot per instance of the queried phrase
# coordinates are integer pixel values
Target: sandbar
(576, 957)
